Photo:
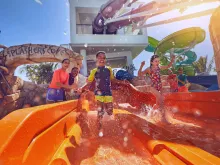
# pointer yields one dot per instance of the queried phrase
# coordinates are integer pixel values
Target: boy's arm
(85, 87)
(181, 81)
(186, 79)
(89, 81)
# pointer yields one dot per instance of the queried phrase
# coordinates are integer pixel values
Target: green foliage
(40, 73)
(202, 66)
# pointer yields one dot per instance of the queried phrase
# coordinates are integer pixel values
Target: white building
(120, 48)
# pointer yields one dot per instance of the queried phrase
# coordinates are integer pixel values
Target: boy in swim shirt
(103, 76)
(182, 81)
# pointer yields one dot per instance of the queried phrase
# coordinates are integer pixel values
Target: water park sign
(36, 49)
(27, 49)
(36, 53)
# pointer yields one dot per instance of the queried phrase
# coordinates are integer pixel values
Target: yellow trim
(104, 99)
(92, 75)
(111, 72)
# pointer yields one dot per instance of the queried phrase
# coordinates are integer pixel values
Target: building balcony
(109, 40)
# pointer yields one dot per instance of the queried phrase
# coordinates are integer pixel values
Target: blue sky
(26, 21)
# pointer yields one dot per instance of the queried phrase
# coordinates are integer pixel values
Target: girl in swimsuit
(154, 73)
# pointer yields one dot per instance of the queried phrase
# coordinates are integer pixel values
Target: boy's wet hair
(66, 59)
(152, 58)
(100, 52)
(180, 69)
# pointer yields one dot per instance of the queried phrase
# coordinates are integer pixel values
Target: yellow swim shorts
(104, 99)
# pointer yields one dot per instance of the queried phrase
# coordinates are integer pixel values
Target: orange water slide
(58, 134)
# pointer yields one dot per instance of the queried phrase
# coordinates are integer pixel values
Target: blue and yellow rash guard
(102, 76)
(183, 80)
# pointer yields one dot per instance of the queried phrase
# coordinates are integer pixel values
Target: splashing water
(100, 134)
(110, 155)
(197, 113)
(125, 139)
(150, 113)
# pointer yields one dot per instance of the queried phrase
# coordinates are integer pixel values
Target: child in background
(156, 85)
(182, 81)
(154, 72)
(172, 80)
(73, 94)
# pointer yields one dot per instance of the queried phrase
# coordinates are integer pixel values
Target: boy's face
(75, 72)
(101, 60)
(180, 71)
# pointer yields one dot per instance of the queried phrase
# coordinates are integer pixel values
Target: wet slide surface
(116, 144)
(128, 139)
(111, 150)
(60, 134)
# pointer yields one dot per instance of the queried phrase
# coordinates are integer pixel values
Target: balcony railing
(87, 29)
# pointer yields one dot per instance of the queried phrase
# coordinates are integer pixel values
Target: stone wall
(23, 94)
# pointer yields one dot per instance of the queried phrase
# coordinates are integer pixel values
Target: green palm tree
(40, 73)
(202, 66)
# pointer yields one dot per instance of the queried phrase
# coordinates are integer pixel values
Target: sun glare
(202, 7)
(183, 11)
